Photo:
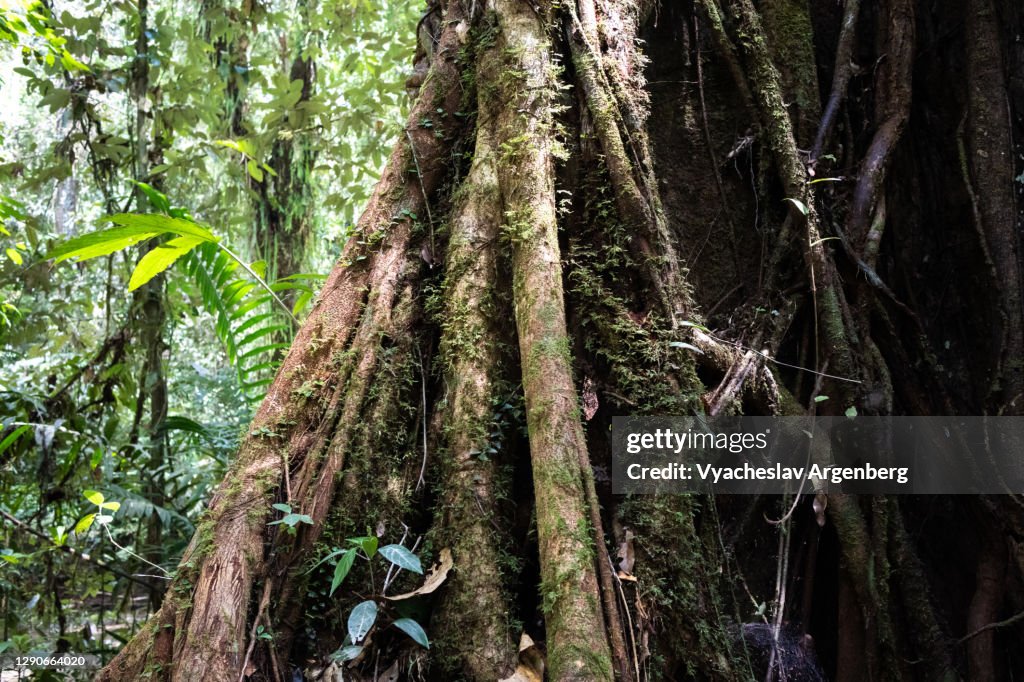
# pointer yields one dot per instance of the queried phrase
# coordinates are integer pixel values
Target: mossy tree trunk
(577, 183)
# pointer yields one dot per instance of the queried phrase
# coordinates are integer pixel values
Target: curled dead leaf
(531, 662)
(438, 574)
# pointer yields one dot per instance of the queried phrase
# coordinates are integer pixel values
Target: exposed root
(841, 73)
(472, 621)
(521, 64)
(984, 608)
(642, 212)
(894, 93)
(990, 155)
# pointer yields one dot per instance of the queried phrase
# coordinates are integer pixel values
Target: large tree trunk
(577, 183)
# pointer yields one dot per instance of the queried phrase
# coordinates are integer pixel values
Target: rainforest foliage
(210, 159)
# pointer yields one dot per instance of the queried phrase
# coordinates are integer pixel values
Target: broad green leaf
(94, 496)
(255, 172)
(70, 63)
(367, 543)
(84, 523)
(163, 223)
(342, 569)
(301, 301)
(402, 557)
(690, 323)
(347, 653)
(59, 534)
(685, 346)
(327, 558)
(801, 206)
(112, 506)
(160, 258)
(179, 423)
(104, 519)
(820, 398)
(56, 99)
(15, 256)
(362, 618)
(13, 436)
(156, 198)
(282, 507)
(241, 146)
(413, 629)
(851, 412)
(101, 243)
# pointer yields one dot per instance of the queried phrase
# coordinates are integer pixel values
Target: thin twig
(423, 390)
(259, 280)
(629, 622)
(783, 364)
(710, 146)
(264, 602)
(166, 573)
(992, 626)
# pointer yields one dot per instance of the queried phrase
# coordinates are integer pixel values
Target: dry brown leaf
(438, 574)
(531, 662)
(626, 576)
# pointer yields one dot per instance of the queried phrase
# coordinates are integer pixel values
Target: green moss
(788, 26)
(682, 575)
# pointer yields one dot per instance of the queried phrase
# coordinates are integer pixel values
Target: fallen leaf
(531, 662)
(438, 574)
(427, 254)
(626, 576)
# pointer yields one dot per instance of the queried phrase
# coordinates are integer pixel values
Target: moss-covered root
(636, 192)
(867, 567)
(520, 108)
(781, 139)
(676, 575)
(471, 626)
(926, 634)
(787, 24)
